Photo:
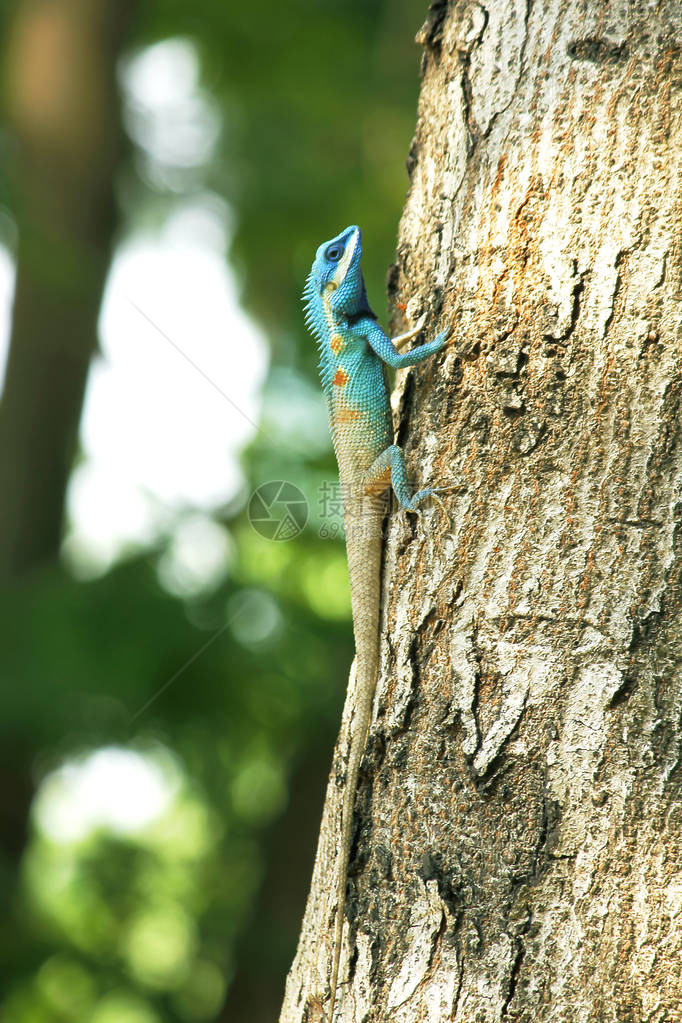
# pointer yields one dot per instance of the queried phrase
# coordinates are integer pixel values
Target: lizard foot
(423, 495)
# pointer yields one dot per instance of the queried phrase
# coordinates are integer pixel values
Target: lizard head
(336, 275)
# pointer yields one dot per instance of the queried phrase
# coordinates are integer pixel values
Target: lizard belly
(360, 433)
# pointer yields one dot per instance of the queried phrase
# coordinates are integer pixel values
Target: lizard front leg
(386, 349)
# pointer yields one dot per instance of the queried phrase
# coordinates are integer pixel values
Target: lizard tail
(364, 689)
(363, 548)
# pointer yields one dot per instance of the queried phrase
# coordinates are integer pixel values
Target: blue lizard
(354, 351)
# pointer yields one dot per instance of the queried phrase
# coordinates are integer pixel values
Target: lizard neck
(329, 321)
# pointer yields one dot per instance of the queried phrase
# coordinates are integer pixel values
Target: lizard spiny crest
(334, 291)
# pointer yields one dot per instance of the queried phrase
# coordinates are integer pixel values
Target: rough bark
(518, 822)
(60, 82)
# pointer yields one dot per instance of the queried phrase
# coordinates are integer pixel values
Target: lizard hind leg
(391, 464)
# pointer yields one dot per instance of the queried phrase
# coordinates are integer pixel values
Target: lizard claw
(422, 495)
(441, 505)
(402, 339)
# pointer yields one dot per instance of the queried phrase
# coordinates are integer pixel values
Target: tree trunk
(60, 80)
(518, 821)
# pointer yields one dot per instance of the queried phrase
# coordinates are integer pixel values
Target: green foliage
(237, 685)
(151, 911)
(319, 105)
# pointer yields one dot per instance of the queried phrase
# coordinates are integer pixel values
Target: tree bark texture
(518, 847)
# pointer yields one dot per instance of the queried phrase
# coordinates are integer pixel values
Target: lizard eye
(333, 253)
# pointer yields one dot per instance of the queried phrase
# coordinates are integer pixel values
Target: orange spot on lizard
(340, 378)
(347, 415)
(337, 343)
